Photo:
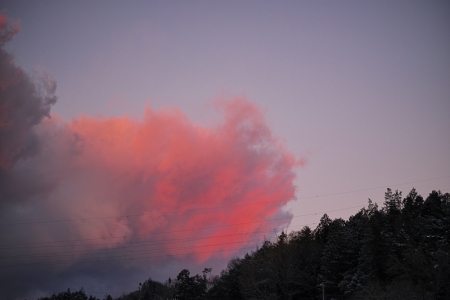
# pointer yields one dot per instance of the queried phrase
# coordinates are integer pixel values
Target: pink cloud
(177, 180)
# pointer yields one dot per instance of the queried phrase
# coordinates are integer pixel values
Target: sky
(140, 138)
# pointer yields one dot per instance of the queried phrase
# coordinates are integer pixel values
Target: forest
(398, 251)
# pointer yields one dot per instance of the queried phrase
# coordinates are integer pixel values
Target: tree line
(398, 251)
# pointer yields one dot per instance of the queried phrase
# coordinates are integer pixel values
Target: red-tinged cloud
(175, 180)
(132, 191)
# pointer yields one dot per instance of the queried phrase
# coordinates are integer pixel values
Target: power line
(125, 258)
(147, 243)
(121, 249)
(118, 259)
(141, 244)
(124, 253)
(373, 188)
(10, 246)
(217, 207)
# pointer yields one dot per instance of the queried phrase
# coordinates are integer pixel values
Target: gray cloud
(24, 102)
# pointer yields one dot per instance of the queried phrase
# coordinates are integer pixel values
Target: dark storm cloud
(24, 102)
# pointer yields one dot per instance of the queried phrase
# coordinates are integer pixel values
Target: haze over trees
(398, 251)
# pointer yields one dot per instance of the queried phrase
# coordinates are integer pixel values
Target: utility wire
(117, 259)
(134, 257)
(216, 207)
(129, 254)
(125, 252)
(133, 245)
(132, 253)
(375, 188)
(9, 246)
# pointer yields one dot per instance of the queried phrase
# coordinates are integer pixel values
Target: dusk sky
(190, 131)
